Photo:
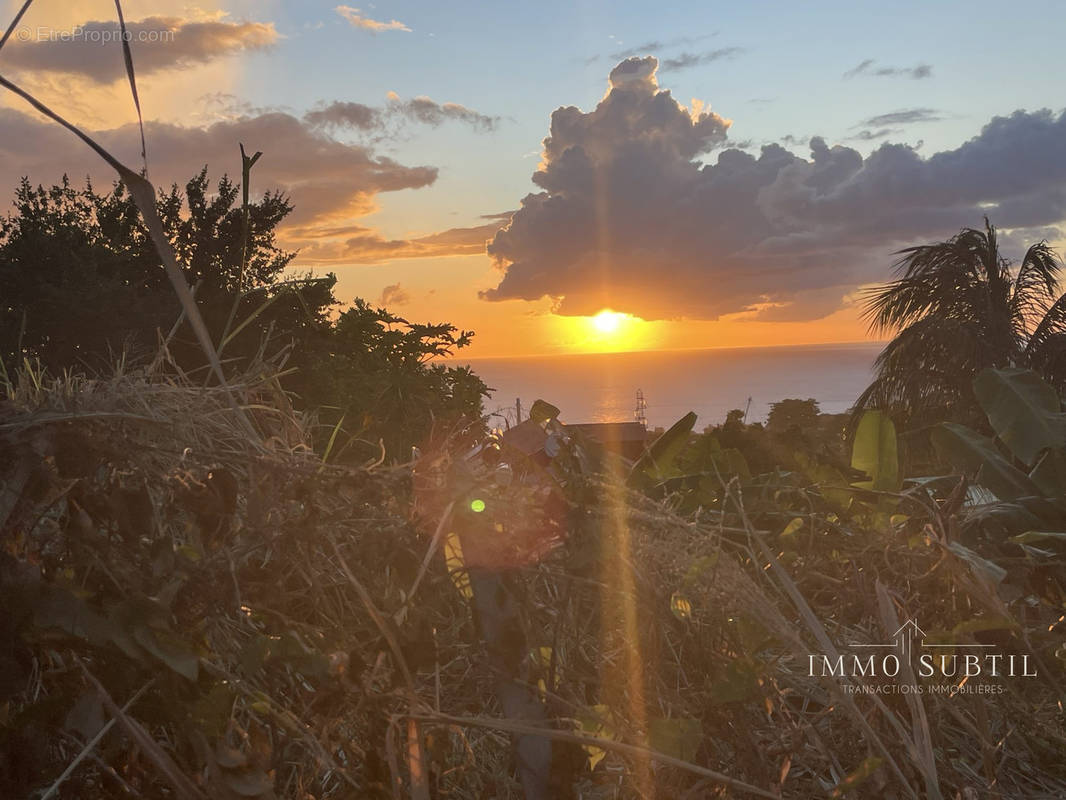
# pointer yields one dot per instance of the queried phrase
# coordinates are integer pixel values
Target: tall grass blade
(14, 23)
(127, 54)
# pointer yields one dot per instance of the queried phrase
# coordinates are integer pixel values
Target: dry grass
(290, 584)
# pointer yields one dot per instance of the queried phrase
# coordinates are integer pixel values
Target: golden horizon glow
(607, 331)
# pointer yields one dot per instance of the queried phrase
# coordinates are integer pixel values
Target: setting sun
(608, 321)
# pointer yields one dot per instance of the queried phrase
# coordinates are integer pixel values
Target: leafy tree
(792, 416)
(81, 282)
(379, 375)
(956, 308)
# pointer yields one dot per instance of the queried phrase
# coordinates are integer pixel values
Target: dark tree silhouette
(956, 308)
(82, 285)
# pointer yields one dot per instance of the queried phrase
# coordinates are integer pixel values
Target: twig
(91, 744)
(179, 781)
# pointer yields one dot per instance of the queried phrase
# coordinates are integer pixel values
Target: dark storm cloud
(869, 67)
(629, 217)
(159, 44)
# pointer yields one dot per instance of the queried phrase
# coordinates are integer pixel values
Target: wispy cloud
(655, 45)
(357, 20)
(395, 295)
(423, 110)
(427, 111)
(340, 114)
(905, 117)
(686, 60)
(868, 135)
(870, 67)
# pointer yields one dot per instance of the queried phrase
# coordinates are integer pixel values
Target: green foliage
(792, 415)
(680, 737)
(874, 452)
(977, 455)
(658, 460)
(82, 282)
(1023, 410)
(380, 373)
(957, 308)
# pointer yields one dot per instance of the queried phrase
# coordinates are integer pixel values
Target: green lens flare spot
(477, 506)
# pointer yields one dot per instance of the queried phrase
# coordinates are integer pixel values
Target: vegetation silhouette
(83, 285)
(958, 307)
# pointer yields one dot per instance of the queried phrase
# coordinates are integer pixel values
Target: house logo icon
(904, 638)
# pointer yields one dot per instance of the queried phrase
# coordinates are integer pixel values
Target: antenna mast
(642, 407)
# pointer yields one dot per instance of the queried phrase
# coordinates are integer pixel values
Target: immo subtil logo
(944, 668)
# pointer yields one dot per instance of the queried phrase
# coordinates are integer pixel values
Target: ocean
(602, 387)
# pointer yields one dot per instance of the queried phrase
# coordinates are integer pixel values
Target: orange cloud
(358, 245)
(357, 20)
(159, 43)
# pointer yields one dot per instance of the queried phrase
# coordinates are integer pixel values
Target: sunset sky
(720, 173)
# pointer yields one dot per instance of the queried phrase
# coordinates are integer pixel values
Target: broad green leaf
(657, 459)
(874, 452)
(1050, 473)
(792, 528)
(678, 737)
(832, 484)
(542, 411)
(976, 454)
(1023, 410)
(980, 565)
(165, 645)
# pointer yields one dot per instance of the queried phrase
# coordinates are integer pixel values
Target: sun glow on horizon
(607, 331)
(608, 321)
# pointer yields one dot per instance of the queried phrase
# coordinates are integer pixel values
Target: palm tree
(958, 307)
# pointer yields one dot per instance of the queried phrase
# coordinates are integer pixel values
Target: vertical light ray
(620, 600)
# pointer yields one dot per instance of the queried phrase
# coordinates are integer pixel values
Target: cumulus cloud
(630, 217)
(869, 67)
(686, 60)
(357, 20)
(394, 295)
(158, 43)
